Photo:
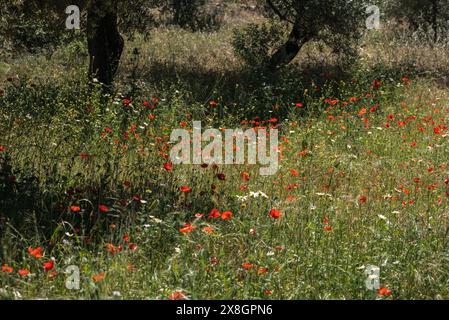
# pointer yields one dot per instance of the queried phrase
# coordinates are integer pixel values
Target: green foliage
(195, 15)
(363, 177)
(47, 127)
(35, 25)
(29, 26)
(337, 24)
(428, 18)
(254, 42)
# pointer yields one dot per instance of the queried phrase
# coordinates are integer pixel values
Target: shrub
(254, 42)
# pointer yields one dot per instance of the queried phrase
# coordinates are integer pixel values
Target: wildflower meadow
(198, 176)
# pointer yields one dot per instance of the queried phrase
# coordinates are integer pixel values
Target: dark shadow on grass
(251, 93)
(247, 93)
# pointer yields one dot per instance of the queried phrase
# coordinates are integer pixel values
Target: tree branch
(278, 12)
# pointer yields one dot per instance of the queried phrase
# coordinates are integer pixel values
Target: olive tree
(339, 23)
(39, 23)
(431, 16)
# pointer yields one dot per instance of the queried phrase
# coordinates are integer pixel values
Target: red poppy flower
(103, 208)
(362, 112)
(209, 230)
(214, 261)
(362, 199)
(75, 208)
(328, 228)
(6, 268)
(247, 266)
(2, 148)
(226, 215)
(292, 186)
(275, 214)
(168, 166)
(185, 189)
(48, 265)
(214, 214)
(245, 176)
(262, 270)
(23, 272)
(98, 277)
(187, 228)
(131, 267)
(37, 253)
(384, 292)
(221, 176)
(377, 84)
(132, 246)
(178, 295)
(267, 292)
(113, 249)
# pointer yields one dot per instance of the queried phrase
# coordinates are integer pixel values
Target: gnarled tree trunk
(435, 20)
(105, 43)
(287, 52)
